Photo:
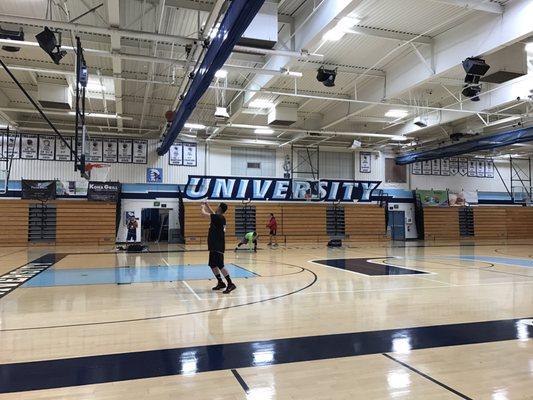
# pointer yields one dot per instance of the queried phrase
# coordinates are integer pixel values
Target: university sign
(263, 189)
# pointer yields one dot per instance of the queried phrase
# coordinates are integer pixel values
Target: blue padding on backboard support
(238, 17)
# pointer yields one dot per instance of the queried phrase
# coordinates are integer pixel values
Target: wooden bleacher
(441, 223)
(490, 222)
(78, 222)
(297, 222)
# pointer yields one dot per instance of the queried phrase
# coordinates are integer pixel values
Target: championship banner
(189, 154)
(47, 146)
(175, 154)
(445, 167)
(140, 151)
(263, 189)
(62, 151)
(28, 147)
(95, 150)
(11, 147)
(103, 191)
(124, 151)
(110, 149)
(38, 190)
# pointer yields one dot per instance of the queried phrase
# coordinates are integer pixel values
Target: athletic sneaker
(231, 287)
(219, 286)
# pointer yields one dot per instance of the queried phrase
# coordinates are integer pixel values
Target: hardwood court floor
(297, 330)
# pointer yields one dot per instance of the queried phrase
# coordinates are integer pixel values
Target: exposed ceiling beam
(113, 15)
(391, 35)
(481, 5)
(205, 7)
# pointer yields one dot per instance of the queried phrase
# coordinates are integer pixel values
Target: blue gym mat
(127, 275)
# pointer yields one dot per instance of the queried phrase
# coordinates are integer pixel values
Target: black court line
(15, 278)
(314, 280)
(457, 393)
(365, 267)
(241, 381)
(50, 374)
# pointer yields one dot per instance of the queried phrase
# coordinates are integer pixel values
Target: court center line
(192, 291)
(429, 378)
(241, 381)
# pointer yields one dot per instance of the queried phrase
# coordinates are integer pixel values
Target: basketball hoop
(97, 171)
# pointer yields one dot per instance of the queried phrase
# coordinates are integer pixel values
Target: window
(254, 165)
(395, 173)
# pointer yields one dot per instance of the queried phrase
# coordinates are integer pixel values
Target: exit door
(397, 219)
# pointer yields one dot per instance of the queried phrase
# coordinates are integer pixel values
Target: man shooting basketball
(216, 243)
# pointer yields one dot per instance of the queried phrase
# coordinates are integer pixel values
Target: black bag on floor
(335, 243)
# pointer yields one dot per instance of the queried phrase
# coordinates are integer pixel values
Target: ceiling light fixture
(221, 74)
(264, 131)
(194, 126)
(393, 113)
(261, 103)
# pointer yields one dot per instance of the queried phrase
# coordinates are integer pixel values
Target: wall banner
(124, 151)
(95, 150)
(489, 169)
(62, 151)
(28, 147)
(365, 163)
(416, 168)
(47, 147)
(175, 154)
(110, 150)
(426, 167)
(189, 154)
(480, 169)
(445, 167)
(261, 189)
(103, 191)
(472, 168)
(140, 152)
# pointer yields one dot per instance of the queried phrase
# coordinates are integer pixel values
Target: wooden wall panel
(490, 222)
(85, 222)
(14, 217)
(365, 222)
(441, 223)
(300, 222)
(197, 224)
(519, 222)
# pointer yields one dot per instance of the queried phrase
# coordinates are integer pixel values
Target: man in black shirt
(216, 243)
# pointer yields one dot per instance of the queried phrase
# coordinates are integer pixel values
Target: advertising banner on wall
(38, 190)
(72, 188)
(189, 154)
(104, 191)
(432, 198)
(62, 151)
(124, 151)
(140, 151)
(28, 147)
(262, 189)
(110, 150)
(464, 198)
(175, 154)
(47, 147)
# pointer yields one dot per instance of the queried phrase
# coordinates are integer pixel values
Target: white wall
(218, 162)
(459, 183)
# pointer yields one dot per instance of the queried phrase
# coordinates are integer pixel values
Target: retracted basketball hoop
(97, 171)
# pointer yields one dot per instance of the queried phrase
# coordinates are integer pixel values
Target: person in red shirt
(273, 226)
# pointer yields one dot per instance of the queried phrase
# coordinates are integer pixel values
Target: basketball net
(97, 171)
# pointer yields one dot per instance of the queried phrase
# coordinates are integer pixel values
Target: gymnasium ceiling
(396, 55)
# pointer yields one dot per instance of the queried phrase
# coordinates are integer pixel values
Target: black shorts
(273, 232)
(216, 259)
